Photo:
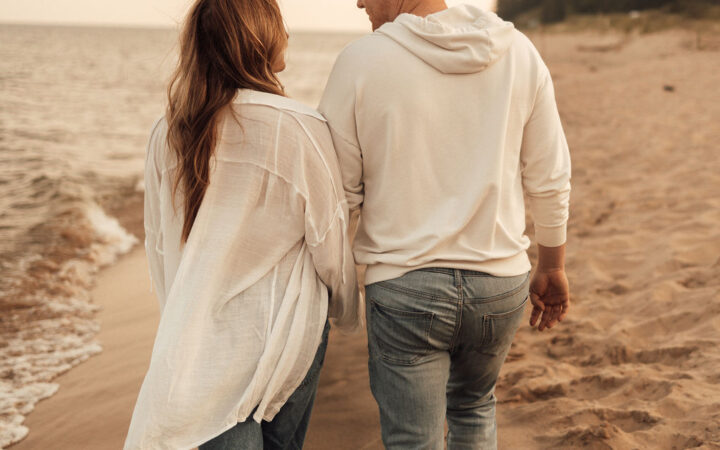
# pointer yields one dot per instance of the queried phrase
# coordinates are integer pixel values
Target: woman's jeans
(437, 339)
(288, 428)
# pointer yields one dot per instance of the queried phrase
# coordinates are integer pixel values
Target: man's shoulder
(363, 49)
(524, 44)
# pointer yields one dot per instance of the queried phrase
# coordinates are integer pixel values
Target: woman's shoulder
(288, 118)
(293, 139)
(296, 122)
(157, 151)
(277, 102)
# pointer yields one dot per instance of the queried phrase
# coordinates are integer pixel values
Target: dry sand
(636, 365)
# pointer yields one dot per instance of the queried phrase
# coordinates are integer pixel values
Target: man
(441, 118)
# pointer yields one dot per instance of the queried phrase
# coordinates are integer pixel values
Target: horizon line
(163, 27)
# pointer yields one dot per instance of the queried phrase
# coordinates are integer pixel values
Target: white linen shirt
(244, 301)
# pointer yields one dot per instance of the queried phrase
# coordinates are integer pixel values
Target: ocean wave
(48, 320)
(71, 155)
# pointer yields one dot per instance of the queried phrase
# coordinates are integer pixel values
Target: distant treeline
(557, 10)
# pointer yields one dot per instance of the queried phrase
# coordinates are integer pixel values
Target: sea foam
(55, 331)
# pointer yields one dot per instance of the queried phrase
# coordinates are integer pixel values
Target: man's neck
(424, 8)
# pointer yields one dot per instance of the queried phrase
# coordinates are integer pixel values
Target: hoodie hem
(505, 267)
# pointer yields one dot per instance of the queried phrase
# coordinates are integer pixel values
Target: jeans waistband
(452, 272)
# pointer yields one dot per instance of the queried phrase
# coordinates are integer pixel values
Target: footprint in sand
(593, 437)
(618, 354)
(605, 214)
(593, 387)
(627, 421)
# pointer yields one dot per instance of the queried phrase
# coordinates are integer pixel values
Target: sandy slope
(637, 365)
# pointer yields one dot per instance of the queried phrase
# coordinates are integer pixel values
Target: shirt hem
(506, 267)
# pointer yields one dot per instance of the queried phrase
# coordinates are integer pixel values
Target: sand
(637, 363)
(93, 406)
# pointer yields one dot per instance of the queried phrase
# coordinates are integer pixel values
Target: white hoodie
(440, 124)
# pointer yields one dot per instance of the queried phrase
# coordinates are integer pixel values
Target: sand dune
(637, 363)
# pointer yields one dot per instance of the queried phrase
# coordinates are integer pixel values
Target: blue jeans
(287, 430)
(437, 339)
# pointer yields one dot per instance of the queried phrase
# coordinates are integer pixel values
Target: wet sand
(93, 407)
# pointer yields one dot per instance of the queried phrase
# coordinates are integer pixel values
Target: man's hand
(549, 288)
(550, 296)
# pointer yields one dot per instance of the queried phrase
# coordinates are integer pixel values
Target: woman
(245, 233)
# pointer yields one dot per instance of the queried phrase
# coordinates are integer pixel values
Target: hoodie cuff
(551, 236)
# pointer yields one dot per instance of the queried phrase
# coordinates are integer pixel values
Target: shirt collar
(250, 96)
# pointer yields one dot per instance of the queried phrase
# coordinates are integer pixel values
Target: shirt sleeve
(338, 107)
(326, 220)
(335, 266)
(545, 159)
(153, 231)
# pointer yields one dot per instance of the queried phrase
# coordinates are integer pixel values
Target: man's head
(380, 11)
(384, 11)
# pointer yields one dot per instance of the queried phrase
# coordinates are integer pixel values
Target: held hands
(550, 296)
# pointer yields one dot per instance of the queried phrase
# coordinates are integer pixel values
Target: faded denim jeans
(437, 340)
(288, 428)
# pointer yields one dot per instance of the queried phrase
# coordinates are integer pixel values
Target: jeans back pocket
(401, 337)
(500, 328)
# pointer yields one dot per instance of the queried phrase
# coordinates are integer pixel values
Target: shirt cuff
(551, 236)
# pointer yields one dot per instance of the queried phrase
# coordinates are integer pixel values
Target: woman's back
(244, 300)
(268, 160)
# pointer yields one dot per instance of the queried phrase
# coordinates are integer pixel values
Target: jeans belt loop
(458, 278)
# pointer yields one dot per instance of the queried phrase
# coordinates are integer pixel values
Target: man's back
(440, 119)
(439, 124)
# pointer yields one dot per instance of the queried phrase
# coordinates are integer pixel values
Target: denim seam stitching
(441, 270)
(521, 307)
(400, 311)
(495, 298)
(486, 324)
(458, 314)
(403, 290)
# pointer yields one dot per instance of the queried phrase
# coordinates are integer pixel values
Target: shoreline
(94, 404)
(103, 389)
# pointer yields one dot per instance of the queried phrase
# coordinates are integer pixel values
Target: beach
(72, 151)
(637, 362)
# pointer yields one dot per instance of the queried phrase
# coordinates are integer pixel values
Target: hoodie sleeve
(545, 160)
(338, 107)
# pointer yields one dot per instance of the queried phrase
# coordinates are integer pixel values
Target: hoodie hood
(459, 40)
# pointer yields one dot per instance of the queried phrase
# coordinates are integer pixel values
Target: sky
(335, 15)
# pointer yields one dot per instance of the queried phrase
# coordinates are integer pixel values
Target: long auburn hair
(225, 45)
